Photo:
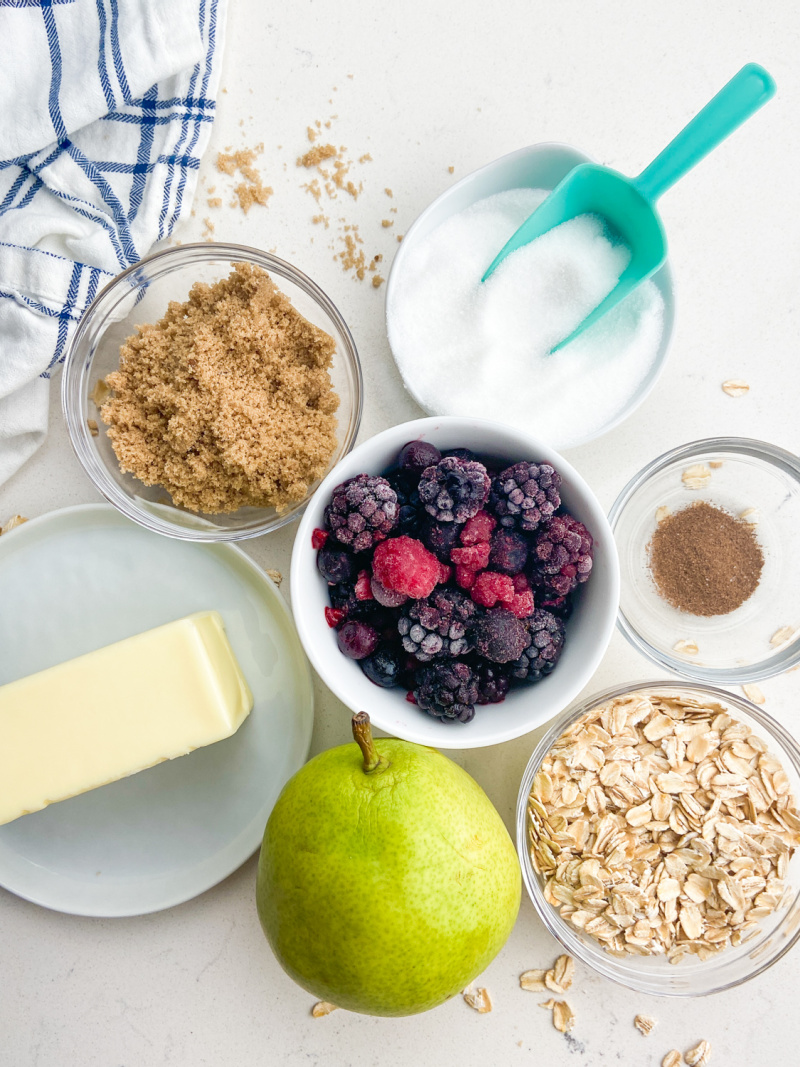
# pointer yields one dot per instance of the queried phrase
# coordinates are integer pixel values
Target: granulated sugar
(470, 348)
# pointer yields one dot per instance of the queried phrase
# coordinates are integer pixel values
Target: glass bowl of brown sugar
(708, 538)
(208, 389)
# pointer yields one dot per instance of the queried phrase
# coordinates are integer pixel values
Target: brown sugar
(227, 400)
(704, 561)
(317, 155)
(252, 190)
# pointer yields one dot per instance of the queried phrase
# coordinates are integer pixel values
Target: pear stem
(362, 735)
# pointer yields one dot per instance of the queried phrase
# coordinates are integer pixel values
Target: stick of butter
(116, 711)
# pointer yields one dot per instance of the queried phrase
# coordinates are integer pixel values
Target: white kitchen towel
(106, 108)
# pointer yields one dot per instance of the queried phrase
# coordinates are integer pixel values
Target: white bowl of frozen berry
(457, 579)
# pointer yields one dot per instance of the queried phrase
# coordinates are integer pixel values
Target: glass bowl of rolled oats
(709, 568)
(657, 827)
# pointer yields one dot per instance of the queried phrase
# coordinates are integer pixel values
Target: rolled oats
(672, 1059)
(698, 1056)
(322, 1007)
(735, 387)
(672, 838)
(644, 1024)
(479, 999)
(696, 477)
(752, 692)
(13, 522)
(533, 981)
(782, 636)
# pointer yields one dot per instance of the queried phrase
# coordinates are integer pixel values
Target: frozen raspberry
(525, 495)
(417, 455)
(499, 636)
(318, 537)
(489, 588)
(544, 646)
(333, 616)
(521, 604)
(357, 639)
(509, 551)
(493, 682)
(438, 625)
(562, 556)
(474, 556)
(335, 564)
(447, 691)
(404, 565)
(439, 537)
(363, 590)
(362, 511)
(465, 577)
(388, 597)
(454, 490)
(478, 529)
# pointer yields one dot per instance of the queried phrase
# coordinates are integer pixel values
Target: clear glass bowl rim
(785, 659)
(553, 922)
(77, 363)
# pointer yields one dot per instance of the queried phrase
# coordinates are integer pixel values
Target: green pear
(387, 881)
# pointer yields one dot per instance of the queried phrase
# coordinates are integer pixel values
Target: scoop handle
(738, 100)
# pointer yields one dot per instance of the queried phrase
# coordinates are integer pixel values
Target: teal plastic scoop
(627, 205)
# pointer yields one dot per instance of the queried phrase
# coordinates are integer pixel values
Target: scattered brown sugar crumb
(252, 193)
(450, 170)
(226, 401)
(386, 223)
(315, 156)
(93, 427)
(704, 561)
(321, 220)
(209, 229)
(314, 188)
(211, 189)
(399, 238)
(215, 201)
(377, 281)
(388, 192)
(312, 133)
(366, 158)
(353, 258)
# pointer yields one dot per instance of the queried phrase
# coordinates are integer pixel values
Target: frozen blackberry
(509, 551)
(546, 641)
(493, 683)
(525, 495)
(438, 537)
(383, 667)
(562, 556)
(362, 511)
(438, 625)
(336, 564)
(410, 511)
(454, 490)
(417, 455)
(461, 453)
(447, 691)
(500, 636)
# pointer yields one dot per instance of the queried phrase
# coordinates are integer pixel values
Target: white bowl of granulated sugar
(469, 348)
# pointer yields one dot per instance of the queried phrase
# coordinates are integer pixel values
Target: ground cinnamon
(704, 561)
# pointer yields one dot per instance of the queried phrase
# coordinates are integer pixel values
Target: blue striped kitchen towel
(106, 108)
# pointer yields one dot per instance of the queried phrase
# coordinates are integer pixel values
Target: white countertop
(435, 86)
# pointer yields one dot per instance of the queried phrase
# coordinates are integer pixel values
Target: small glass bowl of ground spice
(708, 540)
(208, 389)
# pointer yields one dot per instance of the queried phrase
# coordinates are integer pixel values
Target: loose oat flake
(782, 636)
(698, 1056)
(100, 393)
(735, 387)
(750, 515)
(13, 522)
(667, 827)
(688, 648)
(533, 981)
(479, 999)
(563, 1016)
(752, 692)
(644, 1024)
(322, 1007)
(696, 477)
(662, 513)
(672, 1059)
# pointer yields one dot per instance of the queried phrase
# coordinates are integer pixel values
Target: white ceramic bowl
(539, 166)
(588, 630)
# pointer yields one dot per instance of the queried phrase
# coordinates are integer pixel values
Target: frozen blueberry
(335, 565)
(417, 455)
(383, 667)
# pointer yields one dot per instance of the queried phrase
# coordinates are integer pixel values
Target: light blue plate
(75, 580)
